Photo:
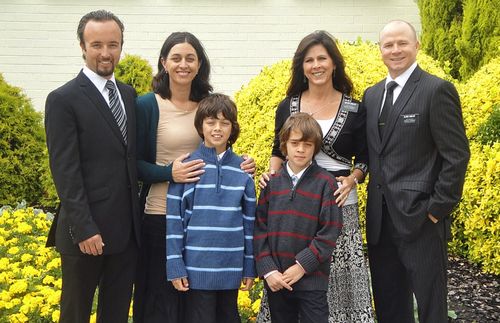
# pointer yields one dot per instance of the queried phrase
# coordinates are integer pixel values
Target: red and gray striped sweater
(300, 223)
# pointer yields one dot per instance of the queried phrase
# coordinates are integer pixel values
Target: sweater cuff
(168, 170)
(176, 269)
(265, 265)
(307, 260)
(249, 268)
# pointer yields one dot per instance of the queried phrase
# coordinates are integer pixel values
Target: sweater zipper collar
(292, 191)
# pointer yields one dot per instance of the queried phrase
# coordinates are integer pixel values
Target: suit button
(379, 186)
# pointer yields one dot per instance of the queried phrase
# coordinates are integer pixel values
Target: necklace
(187, 108)
(321, 108)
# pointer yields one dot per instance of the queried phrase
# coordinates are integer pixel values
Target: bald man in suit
(418, 156)
(90, 127)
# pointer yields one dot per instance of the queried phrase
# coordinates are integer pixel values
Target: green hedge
(474, 237)
(22, 148)
(462, 35)
(441, 26)
(136, 72)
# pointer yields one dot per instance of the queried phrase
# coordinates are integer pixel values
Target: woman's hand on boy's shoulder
(264, 178)
(248, 165)
(187, 172)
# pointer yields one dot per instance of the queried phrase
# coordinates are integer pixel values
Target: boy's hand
(248, 283)
(276, 282)
(248, 164)
(181, 284)
(293, 274)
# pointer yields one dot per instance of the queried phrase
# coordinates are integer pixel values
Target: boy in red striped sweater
(297, 224)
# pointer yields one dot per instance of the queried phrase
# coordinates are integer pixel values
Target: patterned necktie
(386, 107)
(116, 109)
(294, 179)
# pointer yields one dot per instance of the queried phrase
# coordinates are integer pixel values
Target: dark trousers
(291, 306)
(155, 298)
(212, 306)
(114, 274)
(401, 268)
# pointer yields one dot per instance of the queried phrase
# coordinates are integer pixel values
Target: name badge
(349, 106)
(410, 119)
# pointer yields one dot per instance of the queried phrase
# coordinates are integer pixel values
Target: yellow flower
(47, 280)
(18, 318)
(23, 227)
(54, 263)
(13, 250)
(19, 286)
(4, 262)
(256, 305)
(30, 271)
(26, 257)
(55, 316)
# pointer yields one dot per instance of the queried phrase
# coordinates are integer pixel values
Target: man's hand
(247, 284)
(275, 282)
(92, 246)
(187, 172)
(293, 274)
(181, 284)
(248, 164)
(432, 218)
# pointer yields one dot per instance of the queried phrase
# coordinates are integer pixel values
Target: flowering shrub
(30, 273)
(249, 303)
(30, 279)
(476, 222)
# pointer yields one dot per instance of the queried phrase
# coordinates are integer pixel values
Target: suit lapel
(400, 103)
(100, 104)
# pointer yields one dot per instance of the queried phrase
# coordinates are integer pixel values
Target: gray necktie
(116, 109)
(294, 179)
(386, 107)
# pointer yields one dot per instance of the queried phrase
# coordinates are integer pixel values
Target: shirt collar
(299, 175)
(97, 80)
(403, 78)
(219, 156)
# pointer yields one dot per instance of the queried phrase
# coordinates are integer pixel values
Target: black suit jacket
(94, 171)
(419, 164)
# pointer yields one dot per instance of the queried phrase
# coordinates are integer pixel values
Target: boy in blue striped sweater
(210, 223)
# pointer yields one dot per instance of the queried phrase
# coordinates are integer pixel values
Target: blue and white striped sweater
(210, 225)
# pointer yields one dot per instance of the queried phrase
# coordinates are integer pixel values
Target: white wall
(39, 50)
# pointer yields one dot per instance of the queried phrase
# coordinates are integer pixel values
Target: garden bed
(473, 295)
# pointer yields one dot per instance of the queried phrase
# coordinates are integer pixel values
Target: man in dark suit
(418, 156)
(90, 127)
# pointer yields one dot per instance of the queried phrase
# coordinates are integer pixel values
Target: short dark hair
(98, 15)
(211, 106)
(340, 79)
(200, 87)
(307, 125)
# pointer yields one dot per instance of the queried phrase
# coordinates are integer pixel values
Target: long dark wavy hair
(340, 79)
(200, 87)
